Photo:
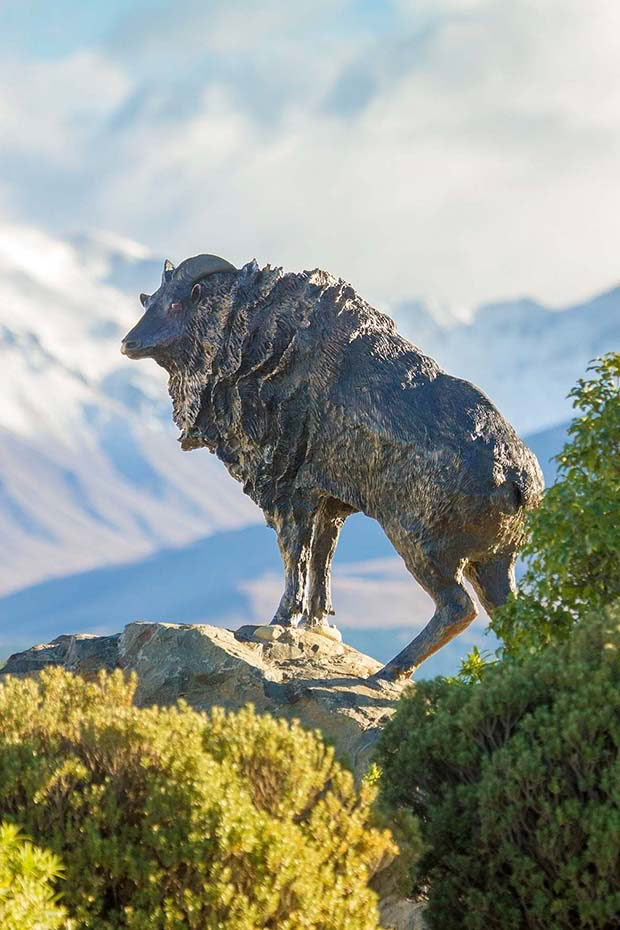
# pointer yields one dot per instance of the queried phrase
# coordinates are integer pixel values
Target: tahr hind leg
(440, 574)
(493, 580)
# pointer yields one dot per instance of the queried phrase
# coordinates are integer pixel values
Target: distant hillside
(547, 444)
(525, 356)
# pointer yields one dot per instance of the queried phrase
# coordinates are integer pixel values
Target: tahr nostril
(129, 345)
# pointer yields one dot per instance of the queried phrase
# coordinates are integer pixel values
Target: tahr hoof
(322, 627)
(391, 672)
(288, 616)
(282, 621)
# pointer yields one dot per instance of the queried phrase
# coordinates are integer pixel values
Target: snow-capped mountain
(60, 325)
(90, 473)
(525, 356)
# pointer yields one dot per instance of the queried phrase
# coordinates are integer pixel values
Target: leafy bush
(574, 537)
(166, 818)
(27, 899)
(516, 781)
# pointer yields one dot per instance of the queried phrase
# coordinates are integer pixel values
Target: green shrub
(516, 781)
(573, 550)
(27, 898)
(166, 818)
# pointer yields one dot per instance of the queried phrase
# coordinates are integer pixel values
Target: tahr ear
(196, 293)
(143, 299)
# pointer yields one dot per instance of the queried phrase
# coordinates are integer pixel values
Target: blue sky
(460, 150)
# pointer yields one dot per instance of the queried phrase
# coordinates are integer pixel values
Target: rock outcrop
(291, 673)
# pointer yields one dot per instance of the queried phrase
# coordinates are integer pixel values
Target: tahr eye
(176, 307)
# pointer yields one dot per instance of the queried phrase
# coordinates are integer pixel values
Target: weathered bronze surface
(321, 409)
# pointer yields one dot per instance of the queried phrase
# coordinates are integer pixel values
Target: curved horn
(193, 269)
(167, 272)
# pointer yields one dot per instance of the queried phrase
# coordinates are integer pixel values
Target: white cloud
(466, 152)
(52, 108)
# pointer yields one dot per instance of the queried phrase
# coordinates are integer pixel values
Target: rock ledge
(291, 673)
